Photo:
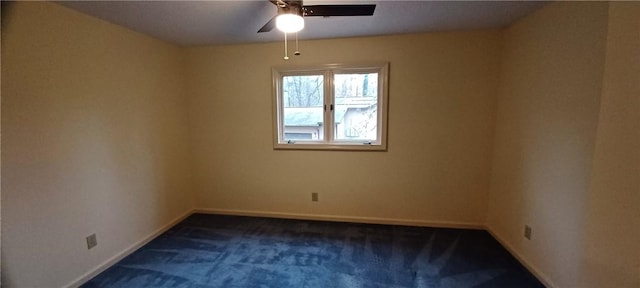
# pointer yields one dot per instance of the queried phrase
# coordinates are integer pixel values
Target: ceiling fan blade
(339, 10)
(269, 25)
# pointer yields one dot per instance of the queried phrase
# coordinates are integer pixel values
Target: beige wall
(97, 122)
(94, 122)
(545, 172)
(436, 170)
(612, 257)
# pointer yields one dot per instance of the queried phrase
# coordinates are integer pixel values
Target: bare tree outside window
(303, 91)
(356, 111)
(303, 99)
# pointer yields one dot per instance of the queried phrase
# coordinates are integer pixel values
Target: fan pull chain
(286, 57)
(297, 53)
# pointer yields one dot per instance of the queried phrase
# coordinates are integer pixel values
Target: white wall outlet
(92, 241)
(314, 197)
(527, 232)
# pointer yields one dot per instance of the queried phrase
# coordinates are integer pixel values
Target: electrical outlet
(527, 232)
(314, 197)
(92, 241)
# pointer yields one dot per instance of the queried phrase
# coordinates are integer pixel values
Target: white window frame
(328, 142)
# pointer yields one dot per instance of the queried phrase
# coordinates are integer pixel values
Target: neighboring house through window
(341, 107)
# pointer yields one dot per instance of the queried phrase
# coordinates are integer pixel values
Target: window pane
(302, 98)
(356, 106)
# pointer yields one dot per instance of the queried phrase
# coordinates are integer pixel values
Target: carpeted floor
(232, 251)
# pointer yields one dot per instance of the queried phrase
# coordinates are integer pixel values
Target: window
(341, 107)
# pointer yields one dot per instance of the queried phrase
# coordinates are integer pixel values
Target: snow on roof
(303, 116)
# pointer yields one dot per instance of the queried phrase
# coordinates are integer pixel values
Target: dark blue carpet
(233, 251)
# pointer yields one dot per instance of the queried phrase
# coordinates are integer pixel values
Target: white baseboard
(532, 268)
(113, 260)
(342, 218)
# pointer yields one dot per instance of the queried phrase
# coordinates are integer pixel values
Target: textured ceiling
(190, 23)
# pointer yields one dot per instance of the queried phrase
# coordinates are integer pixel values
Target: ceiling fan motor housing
(293, 7)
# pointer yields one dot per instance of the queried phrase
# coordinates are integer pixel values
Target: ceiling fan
(290, 13)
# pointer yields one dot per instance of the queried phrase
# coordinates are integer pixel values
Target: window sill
(330, 147)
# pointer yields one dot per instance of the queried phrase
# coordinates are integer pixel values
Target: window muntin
(339, 107)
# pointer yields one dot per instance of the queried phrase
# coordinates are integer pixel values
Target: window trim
(328, 142)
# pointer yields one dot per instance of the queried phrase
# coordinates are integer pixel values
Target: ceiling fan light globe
(289, 23)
